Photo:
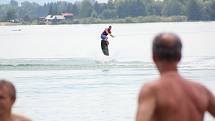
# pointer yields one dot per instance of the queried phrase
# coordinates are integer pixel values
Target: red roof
(67, 14)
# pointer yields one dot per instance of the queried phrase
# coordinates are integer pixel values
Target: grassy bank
(140, 19)
(9, 24)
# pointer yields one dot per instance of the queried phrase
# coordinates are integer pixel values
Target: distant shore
(91, 20)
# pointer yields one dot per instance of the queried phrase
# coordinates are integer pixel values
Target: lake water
(61, 74)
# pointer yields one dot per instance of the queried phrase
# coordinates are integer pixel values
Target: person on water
(104, 42)
(105, 33)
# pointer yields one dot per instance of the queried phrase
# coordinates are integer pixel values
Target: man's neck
(166, 67)
(6, 117)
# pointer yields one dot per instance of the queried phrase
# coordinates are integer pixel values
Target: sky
(43, 1)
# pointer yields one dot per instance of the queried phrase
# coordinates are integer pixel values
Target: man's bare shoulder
(199, 88)
(150, 88)
(17, 117)
(196, 85)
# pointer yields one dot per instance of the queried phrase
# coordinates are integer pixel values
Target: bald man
(7, 99)
(172, 97)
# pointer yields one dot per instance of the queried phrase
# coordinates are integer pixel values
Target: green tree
(29, 9)
(110, 4)
(14, 3)
(172, 8)
(194, 10)
(75, 10)
(157, 8)
(61, 7)
(11, 14)
(210, 9)
(131, 8)
(99, 7)
(53, 9)
(109, 13)
(148, 6)
(86, 9)
(69, 7)
(94, 14)
(3, 13)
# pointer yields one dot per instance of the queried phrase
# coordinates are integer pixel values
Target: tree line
(194, 10)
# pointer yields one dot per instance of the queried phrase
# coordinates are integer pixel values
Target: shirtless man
(172, 97)
(7, 99)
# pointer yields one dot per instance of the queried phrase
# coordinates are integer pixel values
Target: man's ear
(179, 58)
(13, 100)
(155, 58)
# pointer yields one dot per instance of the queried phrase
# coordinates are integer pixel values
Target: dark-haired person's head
(167, 47)
(7, 96)
(10, 88)
(7, 99)
(110, 27)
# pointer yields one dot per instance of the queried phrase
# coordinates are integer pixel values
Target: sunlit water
(61, 74)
